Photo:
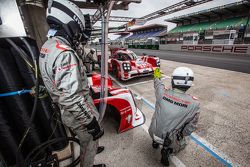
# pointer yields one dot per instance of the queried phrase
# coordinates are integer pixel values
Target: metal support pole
(104, 60)
(245, 28)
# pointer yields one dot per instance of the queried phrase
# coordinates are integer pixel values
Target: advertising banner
(224, 49)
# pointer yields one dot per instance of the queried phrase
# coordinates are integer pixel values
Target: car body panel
(122, 100)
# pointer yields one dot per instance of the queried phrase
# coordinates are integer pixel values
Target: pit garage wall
(227, 49)
(35, 23)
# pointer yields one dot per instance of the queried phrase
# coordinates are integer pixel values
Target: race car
(120, 101)
(125, 64)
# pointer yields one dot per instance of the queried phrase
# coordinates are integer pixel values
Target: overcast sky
(149, 6)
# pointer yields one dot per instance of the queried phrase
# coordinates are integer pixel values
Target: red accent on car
(96, 79)
(126, 74)
(125, 111)
(120, 99)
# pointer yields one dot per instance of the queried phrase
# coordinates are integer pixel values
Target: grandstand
(121, 39)
(145, 37)
(231, 23)
(203, 25)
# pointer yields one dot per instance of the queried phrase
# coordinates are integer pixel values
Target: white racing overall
(176, 114)
(65, 79)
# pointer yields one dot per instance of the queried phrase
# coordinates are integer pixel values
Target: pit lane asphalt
(240, 63)
(224, 123)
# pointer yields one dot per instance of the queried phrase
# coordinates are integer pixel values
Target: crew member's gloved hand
(42, 92)
(157, 73)
(94, 129)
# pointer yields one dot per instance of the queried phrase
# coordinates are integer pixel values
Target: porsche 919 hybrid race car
(125, 64)
(120, 101)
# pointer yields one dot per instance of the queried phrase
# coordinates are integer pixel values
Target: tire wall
(15, 111)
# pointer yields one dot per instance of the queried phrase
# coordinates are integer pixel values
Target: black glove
(179, 136)
(94, 129)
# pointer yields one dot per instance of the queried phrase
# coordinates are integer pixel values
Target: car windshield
(139, 61)
(132, 55)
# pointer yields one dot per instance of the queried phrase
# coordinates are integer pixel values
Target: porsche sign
(237, 49)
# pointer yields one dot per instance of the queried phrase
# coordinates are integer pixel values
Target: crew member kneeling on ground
(65, 79)
(176, 113)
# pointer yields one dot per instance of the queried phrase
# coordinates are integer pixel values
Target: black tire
(117, 74)
(2, 162)
(114, 70)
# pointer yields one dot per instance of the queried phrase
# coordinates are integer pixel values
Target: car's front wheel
(115, 71)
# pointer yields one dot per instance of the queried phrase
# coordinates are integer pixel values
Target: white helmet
(65, 15)
(182, 78)
(92, 50)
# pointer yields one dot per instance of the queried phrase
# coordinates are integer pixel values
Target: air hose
(23, 55)
(47, 144)
(40, 148)
(37, 79)
(20, 92)
(35, 100)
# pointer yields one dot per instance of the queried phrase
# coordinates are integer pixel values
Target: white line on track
(213, 150)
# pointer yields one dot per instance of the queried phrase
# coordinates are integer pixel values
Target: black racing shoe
(99, 165)
(165, 161)
(155, 145)
(165, 156)
(100, 149)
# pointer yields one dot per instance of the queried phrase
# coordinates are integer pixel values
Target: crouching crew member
(176, 113)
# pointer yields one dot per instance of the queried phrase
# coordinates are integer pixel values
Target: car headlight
(126, 66)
